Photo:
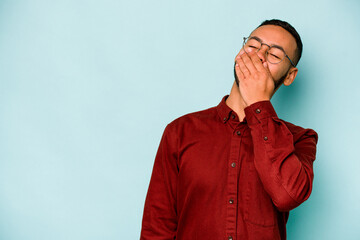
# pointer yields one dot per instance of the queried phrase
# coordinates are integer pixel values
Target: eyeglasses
(274, 54)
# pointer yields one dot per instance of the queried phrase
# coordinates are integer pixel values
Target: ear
(290, 76)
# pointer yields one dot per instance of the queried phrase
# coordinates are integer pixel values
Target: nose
(262, 52)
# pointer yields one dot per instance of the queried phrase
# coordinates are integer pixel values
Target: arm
(284, 162)
(160, 217)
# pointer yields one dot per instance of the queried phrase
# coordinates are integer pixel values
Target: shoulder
(193, 119)
(300, 132)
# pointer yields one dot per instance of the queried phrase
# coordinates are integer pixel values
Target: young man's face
(275, 35)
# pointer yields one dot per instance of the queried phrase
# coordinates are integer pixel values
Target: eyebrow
(260, 40)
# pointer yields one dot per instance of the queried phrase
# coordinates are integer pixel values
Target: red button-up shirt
(217, 178)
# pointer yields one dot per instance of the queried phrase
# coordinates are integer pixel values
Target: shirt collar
(224, 110)
(226, 113)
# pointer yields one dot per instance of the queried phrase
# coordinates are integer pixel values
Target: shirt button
(233, 116)
(258, 110)
(233, 164)
(231, 201)
(230, 238)
(225, 119)
(238, 133)
(265, 138)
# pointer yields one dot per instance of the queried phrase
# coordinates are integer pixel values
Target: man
(235, 171)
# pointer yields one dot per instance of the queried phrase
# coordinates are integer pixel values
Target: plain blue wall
(87, 87)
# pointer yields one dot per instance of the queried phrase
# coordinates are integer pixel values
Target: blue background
(87, 87)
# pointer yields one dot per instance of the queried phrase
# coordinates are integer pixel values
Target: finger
(238, 72)
(266, 67)
(248, 62)
(245, 71)
(258, 64)
(240, 53)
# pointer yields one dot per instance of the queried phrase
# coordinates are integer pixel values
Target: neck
(236, 102)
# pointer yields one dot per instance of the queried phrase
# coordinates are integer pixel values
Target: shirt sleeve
(160, 217)
(282, 159)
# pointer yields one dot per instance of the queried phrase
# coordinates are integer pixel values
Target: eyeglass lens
(273, 54)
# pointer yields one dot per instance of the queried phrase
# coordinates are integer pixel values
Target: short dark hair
(292, 31)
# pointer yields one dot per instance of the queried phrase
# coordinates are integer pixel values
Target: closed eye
(274, 56)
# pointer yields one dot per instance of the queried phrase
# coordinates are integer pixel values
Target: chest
(207, 158)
